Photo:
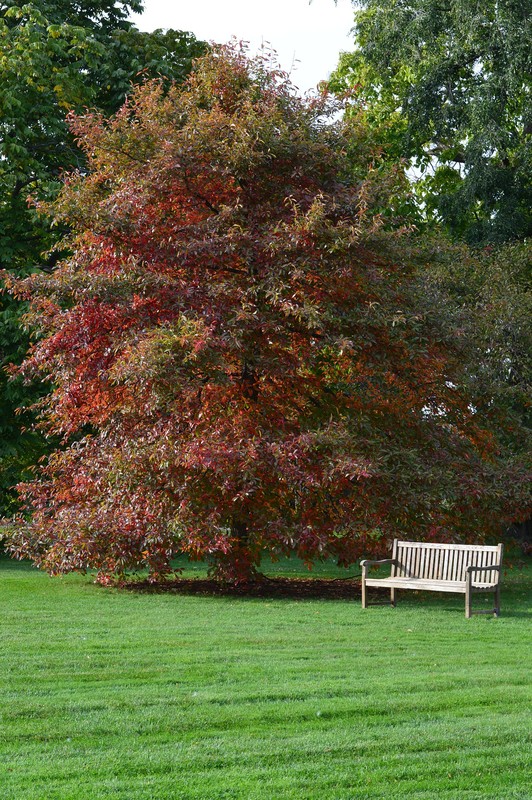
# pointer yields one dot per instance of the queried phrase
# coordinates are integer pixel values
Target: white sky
(308, 37)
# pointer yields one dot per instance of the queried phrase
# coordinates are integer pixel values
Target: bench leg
(497, 609)
(364, 594)
(393, 596)
(468, 601)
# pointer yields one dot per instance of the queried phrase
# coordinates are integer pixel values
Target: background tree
(490, 295)
(445, 87)
(243, 358)
(447, 84)
(56, 55)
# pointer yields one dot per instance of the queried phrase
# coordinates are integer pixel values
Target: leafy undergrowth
(126, 695)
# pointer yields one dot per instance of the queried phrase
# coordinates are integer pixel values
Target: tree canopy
(244, 358)
(56, 55)
(448, 85)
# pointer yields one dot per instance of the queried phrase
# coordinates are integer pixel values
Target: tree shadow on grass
(271, 588)
(300, 589)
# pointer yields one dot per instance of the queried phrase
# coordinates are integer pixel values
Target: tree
(490, 296)
(56, 55)
(244, 358)
(448, 84)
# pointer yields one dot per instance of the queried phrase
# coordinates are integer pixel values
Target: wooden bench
(462, 568)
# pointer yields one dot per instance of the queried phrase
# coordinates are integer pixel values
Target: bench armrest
(365, 563)
(470, 569)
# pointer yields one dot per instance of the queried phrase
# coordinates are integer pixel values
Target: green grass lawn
(109, 694)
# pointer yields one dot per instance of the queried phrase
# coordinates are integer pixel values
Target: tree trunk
(238, 565)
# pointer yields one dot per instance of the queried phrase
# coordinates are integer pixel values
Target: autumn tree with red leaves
(243, 357)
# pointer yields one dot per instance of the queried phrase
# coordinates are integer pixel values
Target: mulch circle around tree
(289, 588)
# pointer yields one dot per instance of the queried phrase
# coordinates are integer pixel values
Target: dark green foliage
(135, 55)
(99, 16)
(448, 84)
(56, 55)
(19, 444)
(445, 86)
(491, 291)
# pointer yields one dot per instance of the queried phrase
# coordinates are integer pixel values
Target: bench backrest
(445, 562)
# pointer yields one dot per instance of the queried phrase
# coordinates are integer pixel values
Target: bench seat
(459, 587)
(429, 566)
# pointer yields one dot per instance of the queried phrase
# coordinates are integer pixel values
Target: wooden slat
(483, 563)
(404, 561)
(444, 572)
(491, 575)
(425, 565)
(484, 576)
(413, 553)
(420, 572)
(439, 563)
(448, 557)
(394, 556)
(431, 586)
(464, 564)
(490, 560)
(431, 559)
(409, 563)
(451, 567)
(407, 559)
(457, 565)
(435, 564)
(460, 574)
(414, 558)
(420, 562)
(438, 546)
(401, 561)
(500, 550)
(460, 566)
(472, 559)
